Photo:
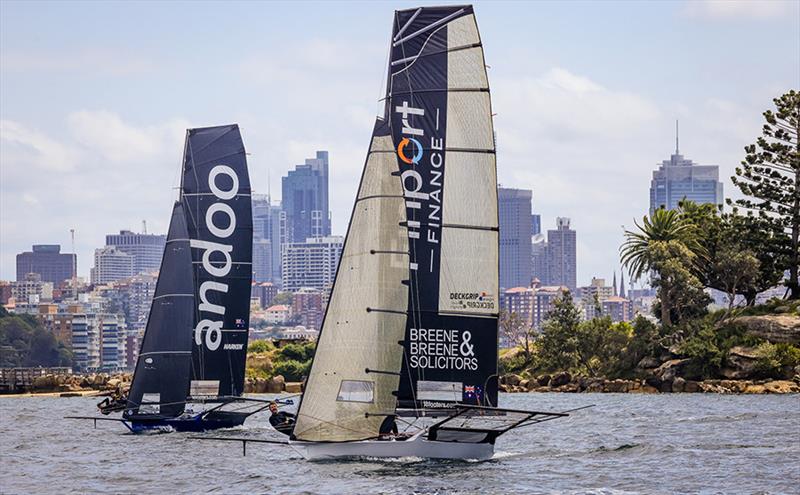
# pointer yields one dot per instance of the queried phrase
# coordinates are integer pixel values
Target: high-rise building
(536, 224)
(111, 265)
(312, 263)
(561, 255)
(48, 261)
(519, 300)
(515, 236)
(679, 178)
(267, 226)
(146, 249)
(305, 199)
(307, 307)
(539, 268)
(265, 292)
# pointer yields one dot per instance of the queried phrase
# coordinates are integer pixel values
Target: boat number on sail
(436, 348)
(222, 229)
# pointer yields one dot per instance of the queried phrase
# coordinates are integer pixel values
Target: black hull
(213, 420)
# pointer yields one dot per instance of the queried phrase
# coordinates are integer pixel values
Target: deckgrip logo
(473, 300)
(214, 218)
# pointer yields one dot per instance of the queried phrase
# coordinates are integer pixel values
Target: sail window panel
(378, 179)
(356, 391)
(469, 273)
(466, 70)
(469, 121)
(470, 190)
(438, 390)
(462, 31)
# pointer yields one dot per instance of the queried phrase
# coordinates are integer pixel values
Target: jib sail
(215, 190)
(441, 126)
(161, 379)
(354, 375)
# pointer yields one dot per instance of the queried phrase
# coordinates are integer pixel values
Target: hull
(417, 446)
(201, 422)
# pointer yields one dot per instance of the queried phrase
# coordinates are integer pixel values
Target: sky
(95, 98)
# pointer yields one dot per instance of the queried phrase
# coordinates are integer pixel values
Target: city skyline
(579, 131)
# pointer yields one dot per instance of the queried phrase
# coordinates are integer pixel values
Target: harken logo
(401, 150)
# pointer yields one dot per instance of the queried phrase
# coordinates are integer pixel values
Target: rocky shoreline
(565, 382)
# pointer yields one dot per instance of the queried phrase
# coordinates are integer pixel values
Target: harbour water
(670, 443)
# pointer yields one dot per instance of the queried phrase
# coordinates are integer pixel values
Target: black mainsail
(161, 378)
(441, 122)
(412, 319)
(215, 190)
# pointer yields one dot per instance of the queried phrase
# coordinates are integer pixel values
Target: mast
(215, 190)
(441, 123)
(161, 379)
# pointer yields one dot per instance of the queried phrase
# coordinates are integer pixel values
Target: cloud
(91, 61)
(30, 147)
(739, 9)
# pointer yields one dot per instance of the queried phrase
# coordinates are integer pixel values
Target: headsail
(215, 190)
(356, 366)
(441, 124)
(167, 344)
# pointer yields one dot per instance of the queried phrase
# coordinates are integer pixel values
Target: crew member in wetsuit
(283, 422)
(388, 428)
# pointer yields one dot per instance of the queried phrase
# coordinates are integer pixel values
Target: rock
(712, 386)
(595, 386)
(645, 389)
(294, 387)
(45, 382)
(734, 386)
(560, 379)
(524, 383)
(568, 387)
(544, 380)
(780, 328)
(502, 388)
(740, 363)
(782, 387)
(512, 379)
(670, 369)
(616, 386)
(678, 385)
(648, 363)
(532, 384)
(755, 388)
(691, 387)
(113, 383)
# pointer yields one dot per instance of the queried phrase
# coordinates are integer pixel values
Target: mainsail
(413, 311)
(356, 366)
(215, 190)
(167, 344)
(441, 123)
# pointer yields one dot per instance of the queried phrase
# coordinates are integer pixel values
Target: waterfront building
(307, 307)
(311, 263)
(514, 210)
(278, 314)
(679, 178)
(49, 262)
(146, 249)
(305, 200)
(561, 255)
(111, 265)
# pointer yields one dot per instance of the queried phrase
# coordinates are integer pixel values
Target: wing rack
(477, 424)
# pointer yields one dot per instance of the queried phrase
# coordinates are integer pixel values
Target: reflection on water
(626, 444)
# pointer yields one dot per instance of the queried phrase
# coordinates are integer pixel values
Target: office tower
(48, 261)
(267, 226)
(539, 268)
(561, 257)
(514, 207)
(146, 249)
(312, 263)
(111, 265)
(305, 199)
(679, 178)
(536, 224)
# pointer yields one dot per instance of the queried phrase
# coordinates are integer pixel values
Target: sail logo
(401, 150)
(444, 349)
(215, 222)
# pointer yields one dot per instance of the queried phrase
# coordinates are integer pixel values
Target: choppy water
(678, 443)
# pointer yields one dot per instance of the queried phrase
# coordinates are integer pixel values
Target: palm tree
(663, 236)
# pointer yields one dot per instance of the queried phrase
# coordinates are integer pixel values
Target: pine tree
(770, 178)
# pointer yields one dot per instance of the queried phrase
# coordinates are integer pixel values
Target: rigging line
(430, 26)
(430, 54)
(407, 24)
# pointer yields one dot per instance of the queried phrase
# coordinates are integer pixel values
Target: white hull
(416, 446)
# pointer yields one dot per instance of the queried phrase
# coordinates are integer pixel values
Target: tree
(770, 178)
(664, 242)
(558, 344)
(735, 271)
(518, 332)
(601, 345)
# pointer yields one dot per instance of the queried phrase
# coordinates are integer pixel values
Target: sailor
(388, 428)
(283, 422)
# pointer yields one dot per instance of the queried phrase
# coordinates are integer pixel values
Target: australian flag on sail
(472, 394)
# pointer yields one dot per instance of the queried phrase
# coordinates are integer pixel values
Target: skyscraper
(305, 199)
(111, 265)
(515, 236)
(679, 178)
(267, 238)
(561, 256)
(146, 249)
(48, 261)
(312, 263)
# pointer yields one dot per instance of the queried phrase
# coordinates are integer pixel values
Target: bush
(298, 352)
(292, 370)
(260, 346)
(775, 359)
